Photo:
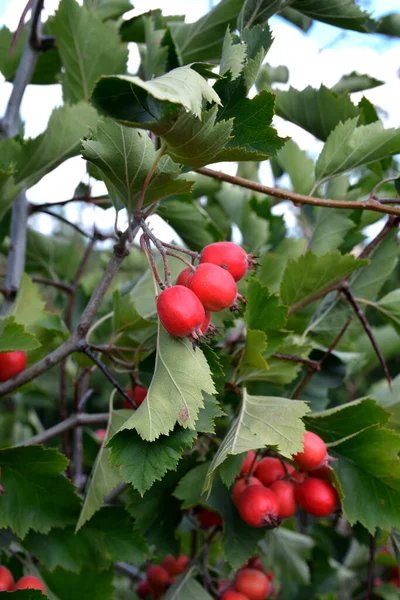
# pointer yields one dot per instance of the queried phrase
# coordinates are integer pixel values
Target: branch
(371, 567)
(70, 423)
(33, 208)
(313, 364)
(369, 204)
(306, 301)
(64, 220)
(387, 228)
(79, 272)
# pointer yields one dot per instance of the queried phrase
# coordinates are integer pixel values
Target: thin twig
(313, 364)
(147, 251)
(380, 184)
(64, 220)
(65, 287)
(191, 253)
(387, 228)
(79, 272)
(129, 570)
(115, 494)
(39, 207)
(147, 231)
(319, 294)
(369, 204)
(186, 262)
(371, 567)
(63, 407)
(80, 420)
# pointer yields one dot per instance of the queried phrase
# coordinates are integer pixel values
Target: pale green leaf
(233, 56)
(354, 82)
(125, 315)
(259, 41)
(330, 229)
(14, 337)
(298, 165)
(28, 307)
(287, 553)
(154, 54)
(109, 9)
(187, 588)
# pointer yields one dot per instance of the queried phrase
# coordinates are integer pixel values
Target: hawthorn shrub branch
(79, 420)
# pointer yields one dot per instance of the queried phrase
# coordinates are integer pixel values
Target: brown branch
(371, 567)
(115, 494)
(79, 272)
(39, 207)
(80, 420)
(65, 287)
(313, 364)
(149, 234)
(367, 328)
(64, 220)
(369, 204)
(387, 228)
(66, 448)
(322, 292)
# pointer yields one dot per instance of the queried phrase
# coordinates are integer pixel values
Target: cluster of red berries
(184, 309)
(11, 363)
(160, 577)
(27, 582)
(270, 489)
(251, 583)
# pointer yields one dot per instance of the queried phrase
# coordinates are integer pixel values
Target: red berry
(255, 563)
(138, 394)
(180, 311)
(158, 578)
(208, 518)
(6, 580)
(232, 595)
(184, 277)
(252, 583)
(100, 434)
(298, 476)
(215, 287)
(247, 462)
(269, 469)
(143, 589)
(204, 326)
(11, 363)
(316, 496)
(323, 472)
(258, 506)
(241, 485)
(284, 491)
(175, 566)
(314, 452)
(30, 582)
(227, 255)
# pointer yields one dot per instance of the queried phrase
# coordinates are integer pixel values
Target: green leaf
(14, 337)
(61, 140)
(125, 156)
(190, 221)
(174, 395)
(28, 595)
(88, 47)
(202, 40)
(233, 56)
(80, 586)
(390, 399)
(263, 421)
(258, 42)
(108, 537)
(125, 315)
(254, 351)
(309, 274)
(187, 587)
(154, 55)
(141, 463)
(330, 230)
(273, 264)
(354, 82)
(349, 146)
(103, 478)
(389, 25)
(28, 307)
(344, 13)
(207, 415)
(37, 496)
(316, 111)
(287, 553)
(296, 18)
(109, 9)
(132, 100)
(390, 306)
(298, 165)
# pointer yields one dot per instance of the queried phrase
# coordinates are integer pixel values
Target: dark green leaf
(354, 82)
(126, 317)
(80, 586)
(389, 25)
(344, 13)
(187, 587)
(287, 553)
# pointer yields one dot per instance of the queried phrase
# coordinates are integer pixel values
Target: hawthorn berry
(184, 277)
(255, 563)
(284, 491)
(175, 566)
(252, 583)
(323, 472)
(158, 578)
(100, 434)
(30, 582)
(269, 469)
(316, 496)
(208, 518)
(11, 363)
(229, 256)
(247, 462)
(241, 485)
(180, 311)
(314, 452)
(214, 287)
(258, 506)
(143, 589)
(6, 580)
(138, 394)
(232, 595)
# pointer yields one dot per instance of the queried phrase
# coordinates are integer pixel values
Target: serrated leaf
(307, 275)
(233, 56)
(187, 588)
(355, 82)
(14, 337)
(103, 478)
(130, 99)
(190, 221)
(259, 41)
(109, 536)
(349, 146)
(287, 553)
(389, 25)
(88, 47)
(125, 315)
(207, 415)
(125, 156)
(254, 350)
(89, 583)
(28, 595)
(28, 307)
(61, 140)
(390, 306)
(109, 9)
(298, 165)
(316, 111)
(141, 463)
(344, 13)
(174, 395)
(262, 421)
(202, 40)
(37, 495)
(154, 55)
(330, 230)
(231, 467)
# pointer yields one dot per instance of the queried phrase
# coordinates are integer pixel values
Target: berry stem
(371, 567)
(187, 263)
(149, 234)
(145, 246)
(191, 253)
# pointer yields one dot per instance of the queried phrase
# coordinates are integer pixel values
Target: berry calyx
(175, 566)
(180, 311)
(143, 589)
(252, 583)
(138, 394)
(232, 595)
(184, 277)
(241, 485)
(269, 469)
(11, 363)
(284, 491)
(158, 578)
(316, 496)
(247, 462)
(214, 287)
(209, 518)
(229, 256)
(258, 506)
(30, 582)
(6, 580)
(314, 452)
